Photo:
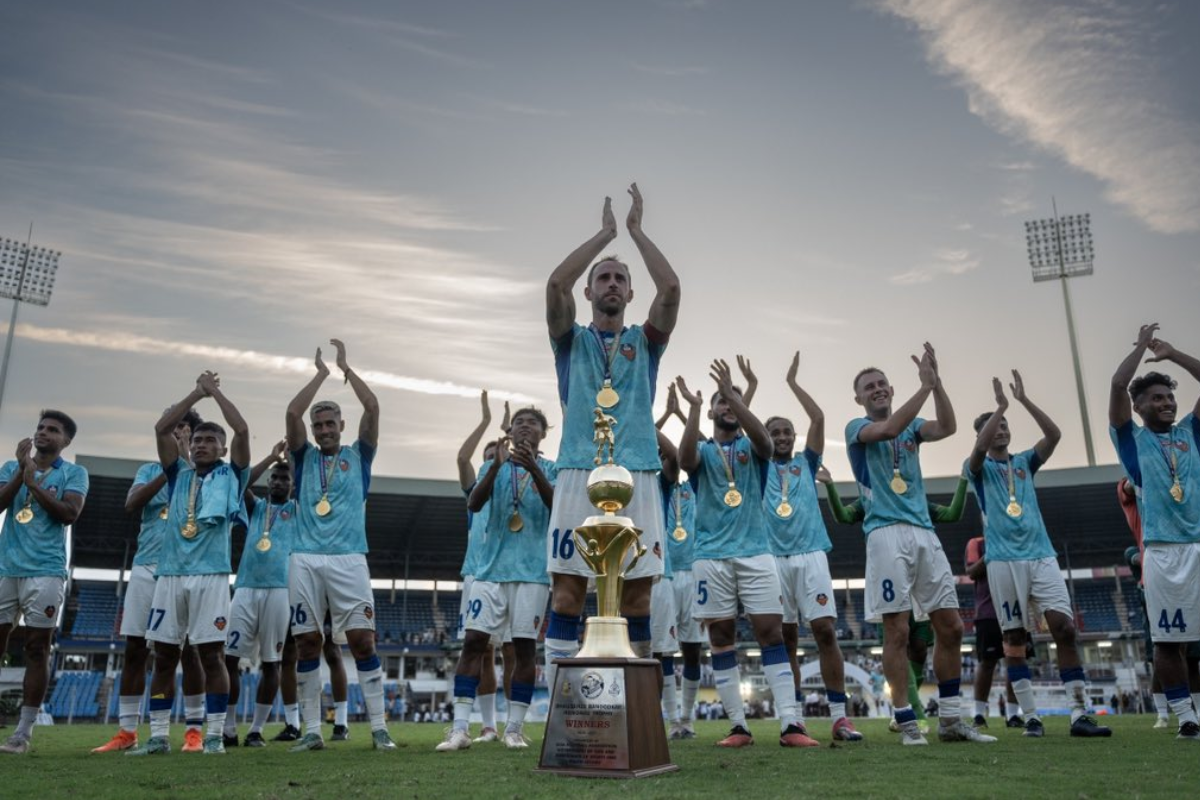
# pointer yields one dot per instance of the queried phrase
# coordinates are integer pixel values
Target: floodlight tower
(1061, 248)
(26, 276)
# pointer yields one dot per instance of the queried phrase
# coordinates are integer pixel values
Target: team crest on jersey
(743, 457)
(219, 623)
(686, 494)
(822, 599)
(285, 515)
(52, 490)
(1020, 473)
(368, 612)
(629, 351)
(343, 465)
(658, 550)
(50, 611)
(795, 470)
(910, 445)
(1182, 446)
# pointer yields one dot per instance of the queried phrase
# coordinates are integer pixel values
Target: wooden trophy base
(605, 720)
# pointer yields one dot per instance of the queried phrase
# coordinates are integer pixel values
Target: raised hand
(672, 400)
(747, 371)
(723, 377)
(502, 452)
(1162, 350)
(998, 388)
(321, 368)
(208, 383)
(692, 398)
(487, 410)
(24, 447)
(608, 222)
(279, 451)
(1146, 335)
(823, 475)
(341, 358)
(794, 369)
(1017, 387)
(506, 423)
(524, 455)
(634, 221)
(926, 367)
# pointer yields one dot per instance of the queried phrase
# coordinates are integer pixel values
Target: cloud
(669, 71)
(1081, 80)
(123, 342)
(666, 108)
(946, 261)
(414, 38)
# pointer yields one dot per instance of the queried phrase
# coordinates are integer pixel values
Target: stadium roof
(416, 528)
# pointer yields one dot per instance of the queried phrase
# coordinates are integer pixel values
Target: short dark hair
(864, 371)
(982, 419)
(533, 412)
(192, 418)
(1140, 385)
(603, 259)
(210, 426)
(712, 401)
(60, 417)
(284, 465)
(767, 424)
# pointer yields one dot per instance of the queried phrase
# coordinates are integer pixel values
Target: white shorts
(662, 618)
(1020, 588)
(192, 607)
(515, 609)
(258, 624)
(687, 627)
(339, 585)
(807, 587)
(1172, 573)
(906, 565)
(571, 508)
(139, 597)
(38, 599)
(721, 583)
(463, 605)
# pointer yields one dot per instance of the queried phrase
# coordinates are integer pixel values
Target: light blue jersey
(154, 524)
(269, 570)
(520, 557)
(345, 479)
(873, 466)
(476, 527)
(218, 507)
(803, 531)
(679, 506)
(580, 363)
(724, 531)
(1149, 460)
(38, 548)
(1022, 538)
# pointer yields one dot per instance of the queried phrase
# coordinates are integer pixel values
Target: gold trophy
(604, 719)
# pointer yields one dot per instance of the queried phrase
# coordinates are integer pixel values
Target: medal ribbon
(676, 501)
(896, 456)
(784, 477)
(270, 516)
(1012, 481)
(1172, 462)
(193, 494)
(327, 473)
(518, 486)
(726, 454)
(607, 357)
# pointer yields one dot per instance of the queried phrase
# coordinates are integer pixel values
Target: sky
(233, 184)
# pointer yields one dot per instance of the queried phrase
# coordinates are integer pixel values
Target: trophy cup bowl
(610, 488)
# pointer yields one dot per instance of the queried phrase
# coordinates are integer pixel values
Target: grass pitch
(1136, 762)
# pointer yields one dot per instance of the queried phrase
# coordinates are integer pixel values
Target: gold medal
(607, 397)
(264, 544)
(189, 529)
(515, 522)
(1014, 508)
(323, 507)
(733, 498)
(898, 484)
(163, 514)
(25, 515)
(679, 534)
(784, 509)
(1176, 495)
